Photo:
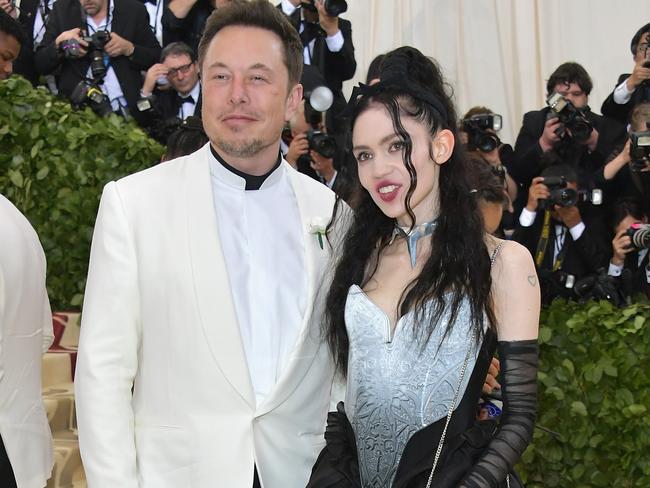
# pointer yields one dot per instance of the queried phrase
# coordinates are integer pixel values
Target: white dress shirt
(188, 108)
(111, 86)
(334, 43)
(617, 269)
(155, 19)
(527, 218)
(39, 21)
(261, 236)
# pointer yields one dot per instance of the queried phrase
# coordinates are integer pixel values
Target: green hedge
(54, 162)
(594, 384)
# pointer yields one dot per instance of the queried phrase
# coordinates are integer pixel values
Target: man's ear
(293, 101)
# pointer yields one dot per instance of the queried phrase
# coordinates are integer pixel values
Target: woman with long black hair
(420, 298)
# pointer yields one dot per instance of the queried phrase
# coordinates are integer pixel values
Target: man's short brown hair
(261, 14)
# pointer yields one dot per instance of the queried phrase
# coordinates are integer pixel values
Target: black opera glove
(519, 391)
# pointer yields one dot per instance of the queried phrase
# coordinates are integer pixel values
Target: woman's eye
(363, 156)
(397, 146)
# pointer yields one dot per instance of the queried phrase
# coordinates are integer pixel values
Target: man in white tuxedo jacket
(203, 290)
(25, 334)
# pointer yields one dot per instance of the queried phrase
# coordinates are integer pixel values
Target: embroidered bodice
(395, 387)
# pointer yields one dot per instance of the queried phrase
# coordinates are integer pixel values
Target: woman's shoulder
(508, 255)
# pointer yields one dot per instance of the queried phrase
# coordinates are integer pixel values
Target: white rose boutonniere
(318, 226)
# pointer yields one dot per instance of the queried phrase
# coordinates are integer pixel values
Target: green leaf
(42, 173)
(579, 408)
(16, 178)
(544, 335)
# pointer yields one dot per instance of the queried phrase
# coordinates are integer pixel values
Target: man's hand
(328, 23)
(491, 382)
(549, 138)
(537, 191)
(592, 142)
(76, 34)
(118, 46)
(299, 146)
(570, 216)
(153, 73)
(621, 246)
(9, 7)
(639, 74)
(180, 8)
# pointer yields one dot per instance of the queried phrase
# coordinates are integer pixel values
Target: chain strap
(493, 257)
(451, 408)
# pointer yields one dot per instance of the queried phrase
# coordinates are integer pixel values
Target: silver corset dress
(395, 387)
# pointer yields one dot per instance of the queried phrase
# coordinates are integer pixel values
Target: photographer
(627, 173)
(566, 245)
(629, 263)
(631, 89)
(97, 52)
(171, 91)
(569, 133)
(184, 20)
(327, 41)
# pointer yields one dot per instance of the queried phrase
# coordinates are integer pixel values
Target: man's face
(92, 7)
(642, 51)
(573, 93)
(246, 92)
(9, 49)
(183, 73)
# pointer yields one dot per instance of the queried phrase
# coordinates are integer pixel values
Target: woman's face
(382, 172)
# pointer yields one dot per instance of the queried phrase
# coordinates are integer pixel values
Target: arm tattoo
(532, 279)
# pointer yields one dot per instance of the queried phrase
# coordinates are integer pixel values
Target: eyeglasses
(181, 69)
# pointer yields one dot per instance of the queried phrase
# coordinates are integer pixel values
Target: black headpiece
(394, 77)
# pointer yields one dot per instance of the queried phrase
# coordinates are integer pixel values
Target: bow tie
(187, 99)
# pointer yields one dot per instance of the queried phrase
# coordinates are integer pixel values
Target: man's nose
(238, 93)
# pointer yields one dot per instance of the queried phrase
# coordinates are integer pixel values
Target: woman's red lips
(388, 190)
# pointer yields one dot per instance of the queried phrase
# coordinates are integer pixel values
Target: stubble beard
(243, 149)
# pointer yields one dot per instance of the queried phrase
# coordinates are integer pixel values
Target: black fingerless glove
(519, 390)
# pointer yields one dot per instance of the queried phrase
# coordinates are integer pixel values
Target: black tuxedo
(129, 19)
(581, 258)
(336, 67)
(24, 64)
(165, 105)
(621, 113)
(633, 280)
(528, 160)
(188, 29)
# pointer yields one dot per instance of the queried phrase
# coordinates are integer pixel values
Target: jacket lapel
(212, 286)
(309, 339)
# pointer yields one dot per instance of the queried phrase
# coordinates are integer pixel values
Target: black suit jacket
(621, 113)
(528, 160)
(633, 280)
(24, 64)
(159, 121)
(130, 20)
(336, 67)
(583, 257)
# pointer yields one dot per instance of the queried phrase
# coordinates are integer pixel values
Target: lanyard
(543, 243)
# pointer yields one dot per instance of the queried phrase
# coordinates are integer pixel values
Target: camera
(639, 150)
(567, 197)
(89, 94)
(334, 8)
(96, 44)
(322, 143)
(71, 48)
(599, 286)
(478, 136)
(639, 234)
(572, 118)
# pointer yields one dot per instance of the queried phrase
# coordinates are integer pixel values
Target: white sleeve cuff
(621, 94)
(287, 7)
(335, 42)
(577, 230)
(527, 218)
(647, 273)
(615, 269)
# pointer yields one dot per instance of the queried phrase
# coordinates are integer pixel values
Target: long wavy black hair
(458, 267)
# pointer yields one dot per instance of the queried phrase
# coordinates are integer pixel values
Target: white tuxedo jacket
(158, 314)
(25, 334)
